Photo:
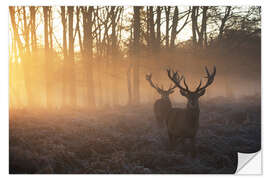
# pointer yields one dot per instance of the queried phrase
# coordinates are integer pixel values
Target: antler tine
(199, 85)
(174, 76)
(214, 73)
(149, 78)
(177, 77)
(185, 83)
(171, 87)
(210, 79)
(207, 72)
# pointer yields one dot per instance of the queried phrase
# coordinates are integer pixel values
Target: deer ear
(201, 93)
(183, 93)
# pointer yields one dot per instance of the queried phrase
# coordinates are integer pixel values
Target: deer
(183, 123)
(162, 105)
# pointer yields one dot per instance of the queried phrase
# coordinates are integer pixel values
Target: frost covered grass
(127, 140)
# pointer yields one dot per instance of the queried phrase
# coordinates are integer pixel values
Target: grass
(126, 140)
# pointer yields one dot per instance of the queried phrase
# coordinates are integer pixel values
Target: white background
(4, 82)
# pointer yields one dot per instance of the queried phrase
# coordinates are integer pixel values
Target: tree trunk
(167, 12)
(129, 84)
(223, 22)
(33, 28)
(136, 80)
(174, 26)
(88, 54)
(64, 70)
(152, 28)
(158, 29)
(71, 64)
(194, 17)
(114, 47)
(26, 32)
(51, 28)
(22, 55)
(47, 56)
(203, 27)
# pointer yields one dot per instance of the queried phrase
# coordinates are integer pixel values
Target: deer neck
(193, 111)
(192, 115)
(165, 98)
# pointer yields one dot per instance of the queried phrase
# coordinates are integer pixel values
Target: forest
(80, 101)
(94, 57)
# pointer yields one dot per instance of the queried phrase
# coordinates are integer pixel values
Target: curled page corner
(249, 163)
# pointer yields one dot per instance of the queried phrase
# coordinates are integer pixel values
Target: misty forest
(133, 90)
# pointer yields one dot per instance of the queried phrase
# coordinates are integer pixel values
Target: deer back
(162, 105)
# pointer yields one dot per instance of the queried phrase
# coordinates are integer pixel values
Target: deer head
(164, 93)
(192, 96)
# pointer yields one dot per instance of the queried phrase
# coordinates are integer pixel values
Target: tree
(113, 16)
(88, 53)
(202, 33)
(22, 51)
(64, 70)
(167, 13)
(152, 37)
(194, 17)
(223, 22)
(33, 10)
(158, 22)
(136, 46)
(174, 26)
(71, 71)
(47, 56)
(176, 19)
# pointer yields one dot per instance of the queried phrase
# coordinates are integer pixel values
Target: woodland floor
(126, 140)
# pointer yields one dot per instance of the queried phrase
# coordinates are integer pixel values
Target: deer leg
(193, 148)
(183, 141)
(171, 139)
(159, 120)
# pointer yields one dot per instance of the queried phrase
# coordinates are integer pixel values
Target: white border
(4, 79)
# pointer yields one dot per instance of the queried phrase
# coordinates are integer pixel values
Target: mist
(81, 101)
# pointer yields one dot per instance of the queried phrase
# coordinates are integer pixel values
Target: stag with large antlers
(184, 123)
(162, 105)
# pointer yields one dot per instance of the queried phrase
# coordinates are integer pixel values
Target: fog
(79, 101)
(237, 75)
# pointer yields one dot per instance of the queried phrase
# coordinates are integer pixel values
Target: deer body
(161, 108)
(162, 105)
(184, 123)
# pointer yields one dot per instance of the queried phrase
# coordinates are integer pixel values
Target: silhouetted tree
(71, 71)
(136, 46)
(88, 13)
(64, 69)
(33, 10)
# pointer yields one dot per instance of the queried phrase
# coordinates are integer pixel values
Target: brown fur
(161, 108)
(184, 123)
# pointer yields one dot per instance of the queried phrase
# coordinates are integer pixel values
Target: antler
(210, 79)
(149, 78)
(174, 76)
(160, 90)
(171, 87)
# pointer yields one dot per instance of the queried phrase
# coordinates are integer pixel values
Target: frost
(127, 140)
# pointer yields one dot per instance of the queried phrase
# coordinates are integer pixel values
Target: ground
(127, 140)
